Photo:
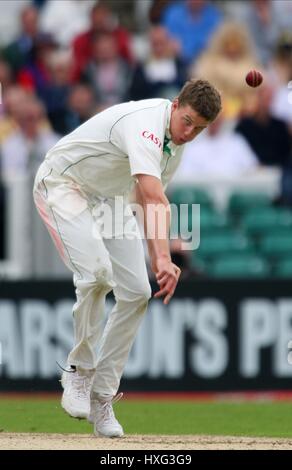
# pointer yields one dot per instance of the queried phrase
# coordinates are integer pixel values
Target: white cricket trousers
(99, 266)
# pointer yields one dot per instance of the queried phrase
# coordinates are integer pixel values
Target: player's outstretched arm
(150, 195)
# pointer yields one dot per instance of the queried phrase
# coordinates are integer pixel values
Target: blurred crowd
(62, 61)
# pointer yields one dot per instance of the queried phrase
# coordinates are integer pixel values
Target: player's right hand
(167, 276)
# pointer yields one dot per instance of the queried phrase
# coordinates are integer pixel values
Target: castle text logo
(151, 136)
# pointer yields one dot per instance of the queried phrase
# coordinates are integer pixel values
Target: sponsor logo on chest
(150, 136)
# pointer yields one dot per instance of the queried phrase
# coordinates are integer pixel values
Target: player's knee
(104, 275)
(143, 292)
(101, 280)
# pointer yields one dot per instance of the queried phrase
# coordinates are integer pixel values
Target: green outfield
(262, 419)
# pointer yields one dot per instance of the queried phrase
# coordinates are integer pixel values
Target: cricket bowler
(130, 148)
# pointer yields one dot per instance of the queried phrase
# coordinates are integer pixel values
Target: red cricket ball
(254, 78)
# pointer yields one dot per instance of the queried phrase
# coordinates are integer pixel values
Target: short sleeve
(140, 136)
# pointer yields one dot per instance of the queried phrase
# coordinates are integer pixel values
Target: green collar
(165, 145)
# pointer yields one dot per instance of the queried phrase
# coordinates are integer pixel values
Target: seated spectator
(265, 12)
(9, 26)
(225, 63)
(13, 99)
(235, 11)
(269, 138)
(55, 93)
(162, 74)
(107, 74)
(36, 75)
(102, 20)
(218, 152)
(25, 148)
(192, 23)
(282, 10)
(19, 52)
(81, 105)
(264, 22)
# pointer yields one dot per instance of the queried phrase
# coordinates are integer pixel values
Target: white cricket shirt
(103, 154)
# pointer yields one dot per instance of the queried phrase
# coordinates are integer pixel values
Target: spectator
(264, 22)
(282, 9)
(192, 23)
(269, 138)
(81, 106)
(236, 11)
(102, 20)
(19, 52)
(55, 93)
(13, 99)
(9, 26)
(107, 73)
(226, 62)
(162, 74)
(265, 19)
(24, 149)
(36, 75)
(217, 152)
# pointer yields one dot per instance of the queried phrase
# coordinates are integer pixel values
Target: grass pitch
(261, 419)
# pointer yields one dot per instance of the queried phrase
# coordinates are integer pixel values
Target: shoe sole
(98, 434)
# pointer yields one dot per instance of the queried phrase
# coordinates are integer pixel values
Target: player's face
(185, 124)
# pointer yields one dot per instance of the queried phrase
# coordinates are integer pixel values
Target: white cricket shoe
(76, 396)
(103, 418)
